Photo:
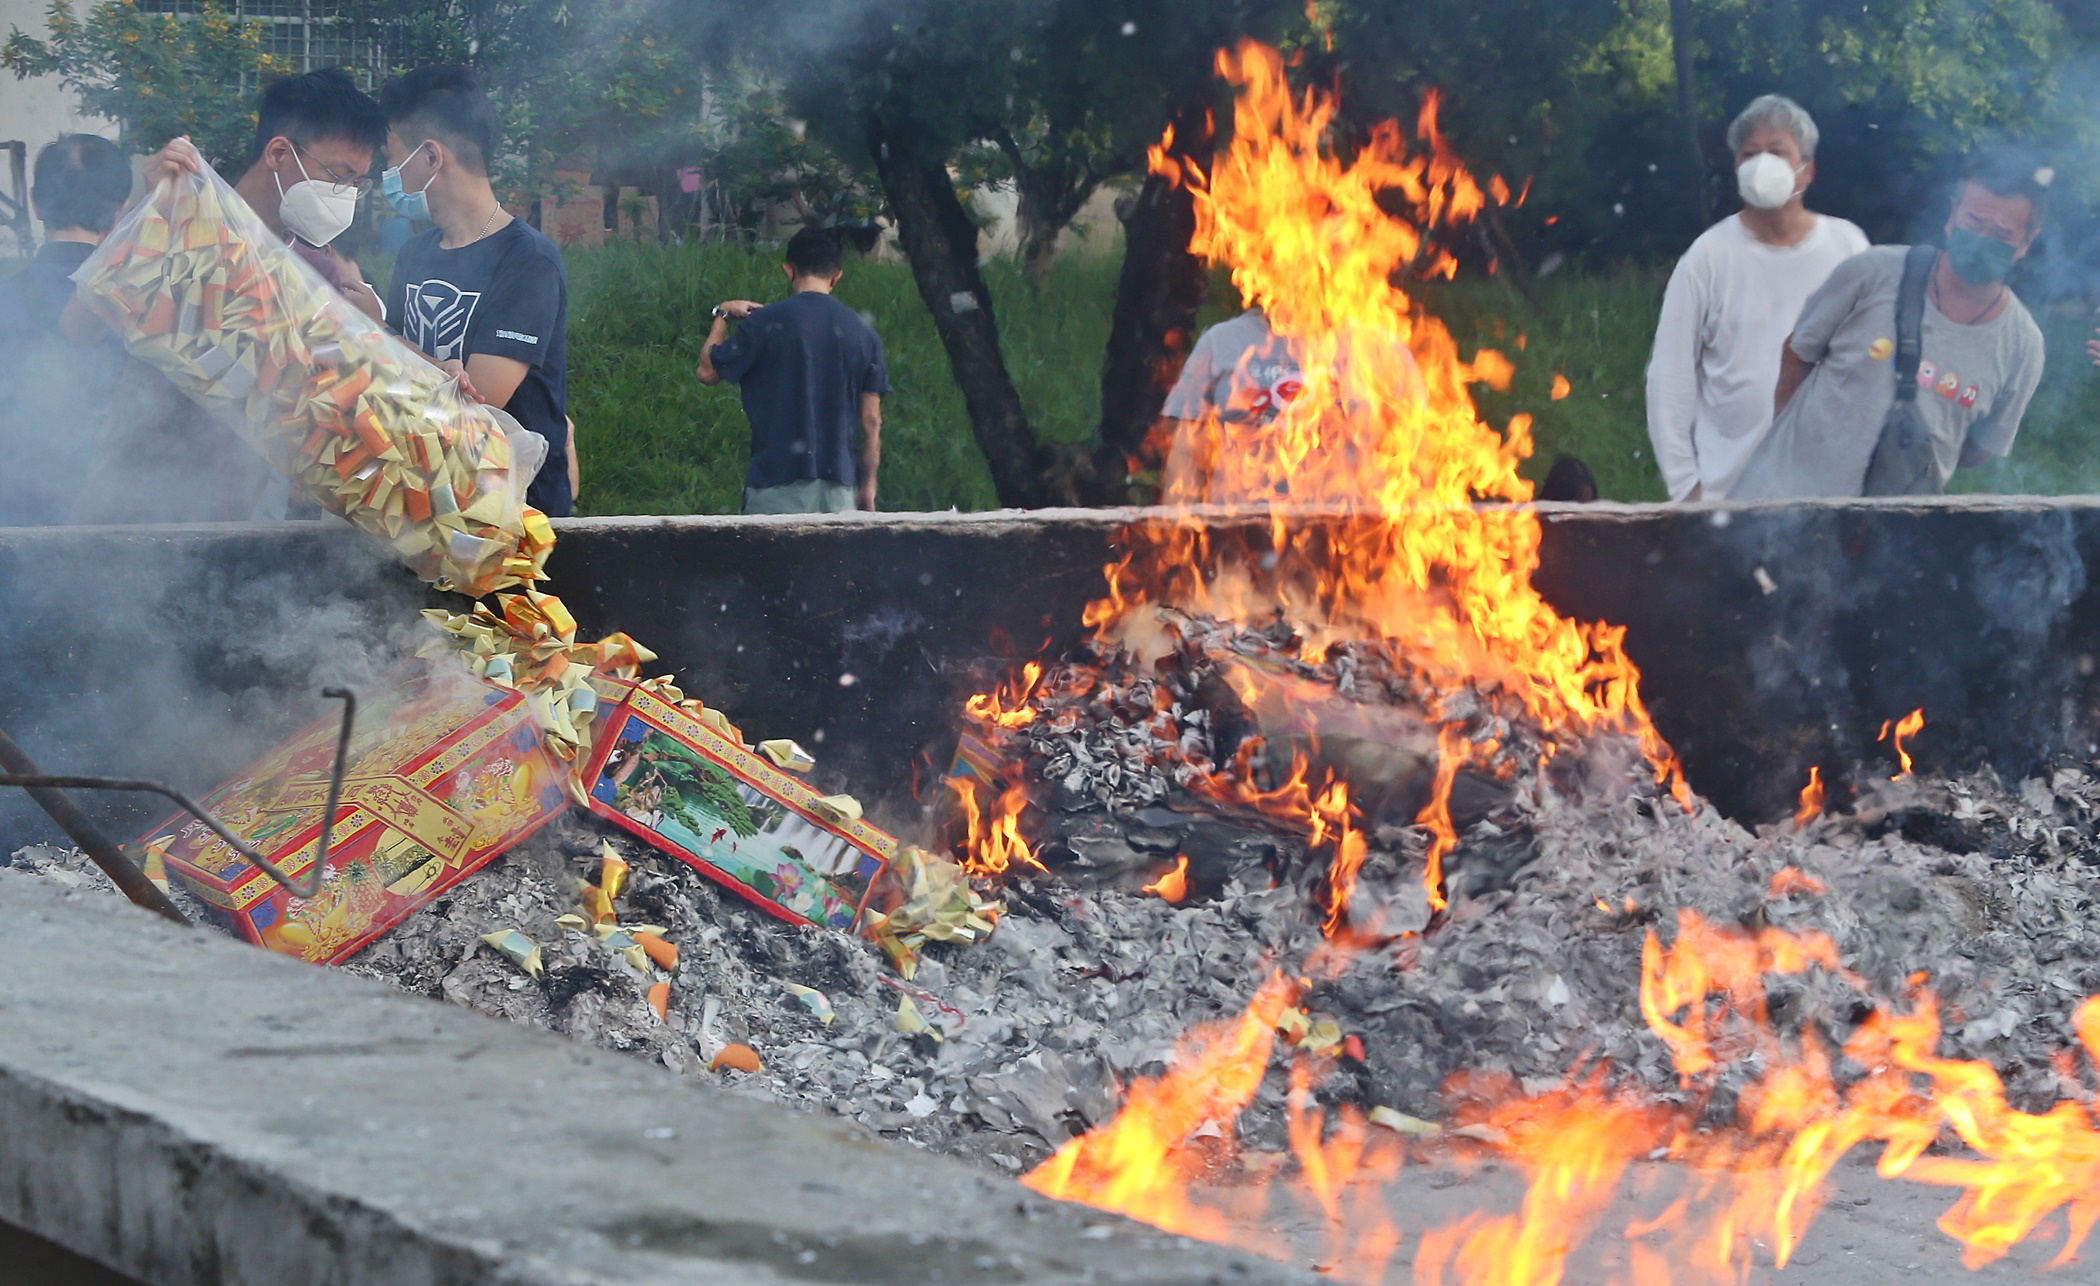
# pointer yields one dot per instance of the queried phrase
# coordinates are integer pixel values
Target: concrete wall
(193, 1112)
(182, 651)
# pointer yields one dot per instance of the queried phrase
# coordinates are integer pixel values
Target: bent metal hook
(47, 789)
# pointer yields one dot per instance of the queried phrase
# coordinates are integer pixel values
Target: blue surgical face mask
(409, 205)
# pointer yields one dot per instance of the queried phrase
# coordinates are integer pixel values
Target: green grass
(654, 441)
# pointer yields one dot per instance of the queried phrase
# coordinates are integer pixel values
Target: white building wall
(39, 109)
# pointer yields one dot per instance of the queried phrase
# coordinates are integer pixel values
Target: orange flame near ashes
(1811, 799)
(1174, 885)
(1152, 1163)
(1908, 726)
(1760, 1183)
(1789, 880)
(1007, 705)
(1369, 481)
(994, 844)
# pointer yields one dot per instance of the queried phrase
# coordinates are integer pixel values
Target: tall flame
(1811, 799)
(1371, 479)
(1894, 731)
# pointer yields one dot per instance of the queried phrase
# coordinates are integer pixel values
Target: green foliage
(762, 156)
(654, 441)
(157, 75)
(1595, 330)
(1582, 97)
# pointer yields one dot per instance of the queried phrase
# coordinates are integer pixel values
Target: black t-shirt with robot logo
(506, 296)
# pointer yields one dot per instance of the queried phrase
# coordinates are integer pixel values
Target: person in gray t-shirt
(1982, 353)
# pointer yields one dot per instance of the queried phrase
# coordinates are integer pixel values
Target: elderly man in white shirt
(1733, 300)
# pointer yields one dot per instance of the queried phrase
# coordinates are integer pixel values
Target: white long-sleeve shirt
(1731, 303)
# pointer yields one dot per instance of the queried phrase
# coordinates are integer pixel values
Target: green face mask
(1977, 259)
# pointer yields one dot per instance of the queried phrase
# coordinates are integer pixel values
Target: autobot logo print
(438, 313)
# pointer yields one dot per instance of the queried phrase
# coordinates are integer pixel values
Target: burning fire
(1369, 530)
(1166, 1158)
(994, 842)
(1895, 730)
(1376, 483)
(1811, 799)
(1007, 707)
(1174, 885)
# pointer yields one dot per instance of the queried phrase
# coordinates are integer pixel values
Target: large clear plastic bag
(194, 284)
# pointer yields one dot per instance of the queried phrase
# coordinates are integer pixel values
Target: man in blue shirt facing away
(810, 370)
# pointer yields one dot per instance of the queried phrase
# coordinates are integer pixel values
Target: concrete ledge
(189, 1110)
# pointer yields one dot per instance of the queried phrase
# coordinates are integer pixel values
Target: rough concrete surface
(188, 1109)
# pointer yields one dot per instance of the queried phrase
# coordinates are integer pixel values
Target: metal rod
(130, 881)
(45, 788)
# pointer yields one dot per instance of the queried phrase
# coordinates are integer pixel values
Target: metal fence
(306, 33)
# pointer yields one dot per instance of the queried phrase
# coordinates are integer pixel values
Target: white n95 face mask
(1766, 181)
(313, 211)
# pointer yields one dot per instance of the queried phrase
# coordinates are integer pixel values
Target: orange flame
(994, 842)
(1149, 1163)
(1758, 1184)
(1370, 474)
(1896, 730)
(1789, 880)
(1811, 799)
(1007, 705)
(1174, 885)
(1143, 1167)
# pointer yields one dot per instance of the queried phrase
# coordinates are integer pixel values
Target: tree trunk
(1688, 104)
(941, 243)
(1154, 326)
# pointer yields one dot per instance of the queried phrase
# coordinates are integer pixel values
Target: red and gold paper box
(445, 772)
(665, 777)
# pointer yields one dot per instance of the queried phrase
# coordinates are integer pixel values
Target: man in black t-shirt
(483, 293)
(811, 370)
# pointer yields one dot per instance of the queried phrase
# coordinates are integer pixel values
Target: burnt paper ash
(1534, 970)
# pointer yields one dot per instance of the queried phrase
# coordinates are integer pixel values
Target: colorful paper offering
(445, 772)
(663, 775)
(196, 286)
(528, 642)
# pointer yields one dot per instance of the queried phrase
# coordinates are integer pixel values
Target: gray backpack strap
(1903, 462)
(1910, 319)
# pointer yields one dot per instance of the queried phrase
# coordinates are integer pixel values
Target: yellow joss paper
(516, 948)
(196, 286)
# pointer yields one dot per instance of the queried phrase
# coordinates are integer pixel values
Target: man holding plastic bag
(481, 292)
(196, 284)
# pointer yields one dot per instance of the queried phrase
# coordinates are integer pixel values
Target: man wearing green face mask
(1979, 360)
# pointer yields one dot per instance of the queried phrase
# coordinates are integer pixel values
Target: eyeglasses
(363, 186)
